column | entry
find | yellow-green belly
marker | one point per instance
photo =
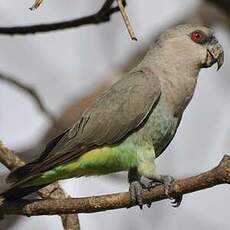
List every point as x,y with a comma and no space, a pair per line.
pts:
146,143
98,161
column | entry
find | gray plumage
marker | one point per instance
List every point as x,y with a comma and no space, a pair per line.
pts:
143,109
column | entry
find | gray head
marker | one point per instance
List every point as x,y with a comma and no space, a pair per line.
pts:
192,45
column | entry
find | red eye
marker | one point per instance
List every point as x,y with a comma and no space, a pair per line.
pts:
198,37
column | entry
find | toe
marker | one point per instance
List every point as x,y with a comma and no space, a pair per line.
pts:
177,201
132,191
167,181
135,190
153,184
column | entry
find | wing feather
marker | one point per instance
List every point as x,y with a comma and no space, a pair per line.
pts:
115,114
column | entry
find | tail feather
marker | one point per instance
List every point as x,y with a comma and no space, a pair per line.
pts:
21,189
21,179
18,191
22,172
23,175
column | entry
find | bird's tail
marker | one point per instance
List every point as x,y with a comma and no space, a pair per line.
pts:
23,176
17,191
20,183
20,173
20,179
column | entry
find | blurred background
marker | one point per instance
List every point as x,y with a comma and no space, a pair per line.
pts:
69,68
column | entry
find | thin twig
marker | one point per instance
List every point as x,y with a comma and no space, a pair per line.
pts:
9,159
126,20
32,93
36,4
223,4
103,15
215,176
53,191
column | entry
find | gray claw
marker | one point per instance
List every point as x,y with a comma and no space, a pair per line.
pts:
149,205
176,201
167,181
136,190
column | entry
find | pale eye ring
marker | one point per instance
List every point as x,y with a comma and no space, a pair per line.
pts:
199,37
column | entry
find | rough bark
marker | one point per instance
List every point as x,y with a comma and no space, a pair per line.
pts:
218,175
53,191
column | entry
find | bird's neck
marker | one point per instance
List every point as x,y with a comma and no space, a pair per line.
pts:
178,92
178,75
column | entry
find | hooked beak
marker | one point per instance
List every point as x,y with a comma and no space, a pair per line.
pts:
215,54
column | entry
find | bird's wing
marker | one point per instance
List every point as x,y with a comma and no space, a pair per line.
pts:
118,112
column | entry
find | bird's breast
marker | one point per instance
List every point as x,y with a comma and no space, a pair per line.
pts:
161,127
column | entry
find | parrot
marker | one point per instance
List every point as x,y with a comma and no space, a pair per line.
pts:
131,123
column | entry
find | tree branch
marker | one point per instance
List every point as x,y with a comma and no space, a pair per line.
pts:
31,92
223,4
215,176
121,5
36,4
9,159
53,191
103,15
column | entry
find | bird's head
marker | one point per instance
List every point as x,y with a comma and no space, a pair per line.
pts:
196,44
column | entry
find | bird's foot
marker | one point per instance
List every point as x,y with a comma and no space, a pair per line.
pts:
136,193
167,182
